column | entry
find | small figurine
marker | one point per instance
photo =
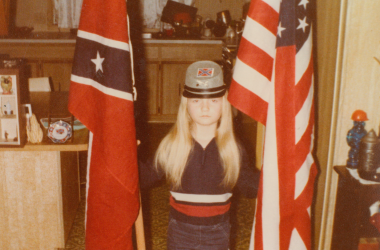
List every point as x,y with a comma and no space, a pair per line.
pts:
354,136
6,85
8,109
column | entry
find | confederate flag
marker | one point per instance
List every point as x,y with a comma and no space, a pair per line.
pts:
273,83
101,98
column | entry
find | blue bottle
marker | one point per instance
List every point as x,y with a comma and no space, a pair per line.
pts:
354,135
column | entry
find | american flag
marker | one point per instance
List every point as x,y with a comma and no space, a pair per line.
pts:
101,97
273,83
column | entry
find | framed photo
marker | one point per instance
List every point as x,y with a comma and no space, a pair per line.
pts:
12,121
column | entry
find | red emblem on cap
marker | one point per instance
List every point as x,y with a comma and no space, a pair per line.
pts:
202,72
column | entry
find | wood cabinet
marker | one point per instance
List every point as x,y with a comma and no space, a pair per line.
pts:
352,215
59,71
159,81
46,58
173,75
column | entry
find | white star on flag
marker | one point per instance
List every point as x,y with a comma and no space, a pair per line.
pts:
303,24
303,2
280,29
98,62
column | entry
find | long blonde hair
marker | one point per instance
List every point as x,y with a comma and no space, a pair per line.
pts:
175,148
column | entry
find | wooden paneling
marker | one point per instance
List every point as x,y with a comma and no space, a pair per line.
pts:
173,80
152,98
151,52
39,50
192,52
60,73
326,36
34,69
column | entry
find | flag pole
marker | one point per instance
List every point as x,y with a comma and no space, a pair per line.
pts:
260,135
139,227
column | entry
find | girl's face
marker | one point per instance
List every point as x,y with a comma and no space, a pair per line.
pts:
205,111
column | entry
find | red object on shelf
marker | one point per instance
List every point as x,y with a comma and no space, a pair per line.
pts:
183,16
169,32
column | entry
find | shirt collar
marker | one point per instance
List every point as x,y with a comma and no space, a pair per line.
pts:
212,143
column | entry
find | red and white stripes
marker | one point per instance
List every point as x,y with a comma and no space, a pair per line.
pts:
273,83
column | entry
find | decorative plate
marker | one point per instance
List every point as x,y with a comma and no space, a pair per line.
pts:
60,132
77,124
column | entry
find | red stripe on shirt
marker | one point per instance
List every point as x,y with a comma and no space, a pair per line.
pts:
200,211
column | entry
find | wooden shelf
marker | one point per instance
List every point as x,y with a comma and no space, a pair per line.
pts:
80,143
40,102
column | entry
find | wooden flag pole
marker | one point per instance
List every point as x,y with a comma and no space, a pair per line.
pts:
260,144
139,227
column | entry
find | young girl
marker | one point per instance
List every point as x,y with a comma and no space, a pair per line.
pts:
203,162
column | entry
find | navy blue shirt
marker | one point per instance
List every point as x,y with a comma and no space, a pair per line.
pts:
203,199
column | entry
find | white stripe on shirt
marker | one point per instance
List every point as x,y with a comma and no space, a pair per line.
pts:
201,198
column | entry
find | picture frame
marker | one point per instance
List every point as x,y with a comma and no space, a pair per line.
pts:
12,122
